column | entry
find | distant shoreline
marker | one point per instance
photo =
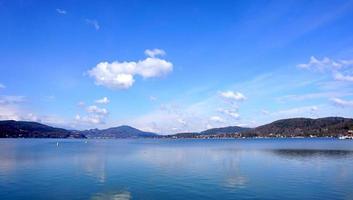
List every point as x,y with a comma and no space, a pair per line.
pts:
168,138
335,127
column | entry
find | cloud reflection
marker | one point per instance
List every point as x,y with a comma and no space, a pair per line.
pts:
123,195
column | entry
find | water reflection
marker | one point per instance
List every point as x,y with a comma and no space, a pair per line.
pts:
312,153
123,195
160,169
199,163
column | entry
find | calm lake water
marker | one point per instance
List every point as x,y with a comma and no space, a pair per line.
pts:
176,169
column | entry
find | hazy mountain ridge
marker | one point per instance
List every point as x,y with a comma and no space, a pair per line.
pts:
118,132
26,129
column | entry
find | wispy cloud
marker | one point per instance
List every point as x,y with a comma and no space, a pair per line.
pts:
154,52
61,11
313,95
2,86
5,99
338,68
341,77
81,104
341,102
94,23
153,98
321,65
233,96
231,113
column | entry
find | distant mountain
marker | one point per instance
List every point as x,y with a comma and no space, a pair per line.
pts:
305,127
118,132
229,131
224,130
24,129
329,126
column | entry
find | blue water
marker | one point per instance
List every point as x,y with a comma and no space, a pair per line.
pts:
176,169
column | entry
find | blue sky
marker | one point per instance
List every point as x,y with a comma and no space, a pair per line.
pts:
174,66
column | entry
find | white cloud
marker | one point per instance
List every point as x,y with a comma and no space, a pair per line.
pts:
120,75
182,121
171,118
94,116
2,86
231,113
9,112
81,104
296,112
90,119
314,95
154,52
96,110
11,99
153,98
341,77
217,119
209,126
265,112
11,109
103,100
153,67
338,68
234,96
341,102
321,65
94,23
61,11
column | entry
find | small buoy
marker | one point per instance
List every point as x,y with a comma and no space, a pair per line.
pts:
57,144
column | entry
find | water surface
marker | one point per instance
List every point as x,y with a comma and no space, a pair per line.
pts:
176,169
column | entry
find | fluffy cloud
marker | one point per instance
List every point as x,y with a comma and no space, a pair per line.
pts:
61,11
233,96
154,52
94,23
120,75
94,116
341,102
103,100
